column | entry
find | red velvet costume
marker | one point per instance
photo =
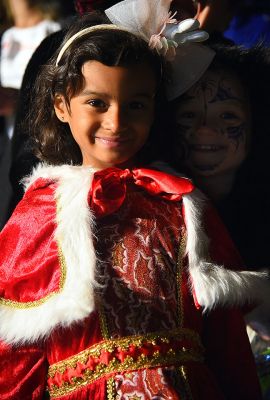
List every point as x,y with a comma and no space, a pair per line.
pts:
139,334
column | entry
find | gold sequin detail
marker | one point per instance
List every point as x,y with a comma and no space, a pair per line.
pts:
123,343
171,358
103,323
186,383
111,389
157,359
179,278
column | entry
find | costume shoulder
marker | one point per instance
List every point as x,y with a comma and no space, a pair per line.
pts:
217,274
46,278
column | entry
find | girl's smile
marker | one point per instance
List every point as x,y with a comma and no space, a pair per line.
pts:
213,124
110,118
114,141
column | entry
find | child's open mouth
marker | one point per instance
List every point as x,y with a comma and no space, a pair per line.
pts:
111,141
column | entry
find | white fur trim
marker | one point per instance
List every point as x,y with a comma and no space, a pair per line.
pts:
73,233
213,284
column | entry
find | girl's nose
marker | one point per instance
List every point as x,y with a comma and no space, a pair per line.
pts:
114,119
205,131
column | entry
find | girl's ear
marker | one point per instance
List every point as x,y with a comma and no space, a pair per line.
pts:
60,108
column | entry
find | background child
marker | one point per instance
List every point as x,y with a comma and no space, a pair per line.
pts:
31,22
105,271
222,141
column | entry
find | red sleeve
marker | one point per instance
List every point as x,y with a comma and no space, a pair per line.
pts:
228,351
23,368
222,248
229,356
23,373
29,255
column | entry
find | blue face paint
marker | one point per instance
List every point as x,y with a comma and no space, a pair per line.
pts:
213,122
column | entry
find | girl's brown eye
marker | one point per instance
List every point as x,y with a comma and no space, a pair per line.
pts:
97,103
136,105
187,114
229,116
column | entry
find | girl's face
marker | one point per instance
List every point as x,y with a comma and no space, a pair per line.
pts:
213,124
111,117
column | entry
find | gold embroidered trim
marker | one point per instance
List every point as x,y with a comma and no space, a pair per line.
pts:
123,343
186,383
88,375
103,323
29,304
129,364
111,389
179,278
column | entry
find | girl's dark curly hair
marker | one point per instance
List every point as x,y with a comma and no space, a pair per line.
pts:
53,140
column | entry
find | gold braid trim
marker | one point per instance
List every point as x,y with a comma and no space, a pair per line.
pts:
29,304
190,350
111,389
179,278
186,383
103,323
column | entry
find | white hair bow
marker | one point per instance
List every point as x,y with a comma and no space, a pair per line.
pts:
176,41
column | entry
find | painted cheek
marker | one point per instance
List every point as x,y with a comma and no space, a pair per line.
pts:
237,134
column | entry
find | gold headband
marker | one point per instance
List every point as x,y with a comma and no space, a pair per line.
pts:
84,32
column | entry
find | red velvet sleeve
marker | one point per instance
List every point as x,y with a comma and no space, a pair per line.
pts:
29,254
228,351
222,248
23,368
23,372
229,356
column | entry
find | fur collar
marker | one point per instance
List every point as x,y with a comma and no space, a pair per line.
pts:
212,284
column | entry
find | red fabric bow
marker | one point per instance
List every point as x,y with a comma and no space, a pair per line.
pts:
109,187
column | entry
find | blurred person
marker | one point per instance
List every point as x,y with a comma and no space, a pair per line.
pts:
214,15
31,21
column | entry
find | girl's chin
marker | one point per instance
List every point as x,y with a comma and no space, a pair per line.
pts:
203,171
103,164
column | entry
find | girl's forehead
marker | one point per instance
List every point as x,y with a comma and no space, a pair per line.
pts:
219,84
137,78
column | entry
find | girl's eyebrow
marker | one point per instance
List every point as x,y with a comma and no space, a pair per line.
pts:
103,94
235,100
92,92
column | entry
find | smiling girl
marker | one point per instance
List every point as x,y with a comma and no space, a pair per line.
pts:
105,266
214,124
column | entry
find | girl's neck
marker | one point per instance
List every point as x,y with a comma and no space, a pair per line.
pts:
216,187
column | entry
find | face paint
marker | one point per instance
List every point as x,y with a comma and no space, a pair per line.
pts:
213,124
